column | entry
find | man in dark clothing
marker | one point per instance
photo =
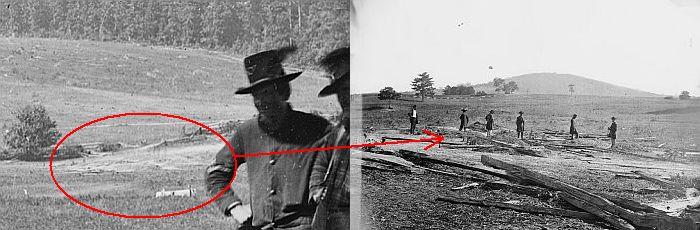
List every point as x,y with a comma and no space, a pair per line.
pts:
489,123
413,119
279,184
520,125
329,184
572,128
613,132
463,120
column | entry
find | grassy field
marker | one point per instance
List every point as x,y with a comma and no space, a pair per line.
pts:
396,200
674,122
78,81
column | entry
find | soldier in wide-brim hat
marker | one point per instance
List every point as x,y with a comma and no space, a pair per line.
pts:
278,183
329,184
520,125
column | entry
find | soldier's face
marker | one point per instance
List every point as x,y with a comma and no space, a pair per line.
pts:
269,103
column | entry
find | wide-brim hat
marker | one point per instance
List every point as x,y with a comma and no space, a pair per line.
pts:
521,112
265,68
337,62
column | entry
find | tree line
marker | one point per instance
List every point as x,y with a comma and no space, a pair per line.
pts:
238,26
423,85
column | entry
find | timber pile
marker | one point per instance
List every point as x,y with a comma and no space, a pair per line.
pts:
620,215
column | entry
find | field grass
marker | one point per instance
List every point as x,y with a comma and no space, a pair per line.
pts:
396,200
78,81
126,192
636,116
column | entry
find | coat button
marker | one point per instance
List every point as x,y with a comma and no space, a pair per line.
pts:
272,192
272,162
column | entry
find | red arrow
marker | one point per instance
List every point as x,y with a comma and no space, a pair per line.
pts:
434,139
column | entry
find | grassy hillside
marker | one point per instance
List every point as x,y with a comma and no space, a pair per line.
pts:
553,83
78,81
82,80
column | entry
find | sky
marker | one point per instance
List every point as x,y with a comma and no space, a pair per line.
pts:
650,45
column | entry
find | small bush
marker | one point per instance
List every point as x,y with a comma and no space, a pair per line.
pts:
32,133
669,97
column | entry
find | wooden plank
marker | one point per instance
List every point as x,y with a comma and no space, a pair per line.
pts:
467,146
520,208
470,185
586,198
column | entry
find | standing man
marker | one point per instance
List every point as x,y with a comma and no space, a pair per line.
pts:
520,125
329,183
612,132
489,123
572,128
414,120
279,184
463,120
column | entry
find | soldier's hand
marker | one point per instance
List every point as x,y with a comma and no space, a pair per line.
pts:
318,194
241,212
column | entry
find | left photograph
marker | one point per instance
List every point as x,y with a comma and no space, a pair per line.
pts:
189,114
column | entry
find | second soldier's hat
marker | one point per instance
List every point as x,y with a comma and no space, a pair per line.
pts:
338,63
265,68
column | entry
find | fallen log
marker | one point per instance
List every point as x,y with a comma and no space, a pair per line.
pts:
521,208
415,156
629,204
574,146
591,202
404,139
611,219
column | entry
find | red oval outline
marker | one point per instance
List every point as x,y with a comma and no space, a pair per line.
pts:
171,214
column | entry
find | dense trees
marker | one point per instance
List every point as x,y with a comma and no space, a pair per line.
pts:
388,93
684,95
459,90
239,26
507,88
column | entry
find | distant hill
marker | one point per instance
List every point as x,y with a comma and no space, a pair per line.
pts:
554,83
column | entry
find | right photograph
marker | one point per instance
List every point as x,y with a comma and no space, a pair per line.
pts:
536,114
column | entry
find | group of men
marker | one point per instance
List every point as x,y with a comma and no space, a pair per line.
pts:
519,125
287,191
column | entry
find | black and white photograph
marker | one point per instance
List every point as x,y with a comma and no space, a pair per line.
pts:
535,114
182,114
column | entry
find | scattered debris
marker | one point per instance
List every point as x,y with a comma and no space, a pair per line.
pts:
618,217
470,185
184,192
